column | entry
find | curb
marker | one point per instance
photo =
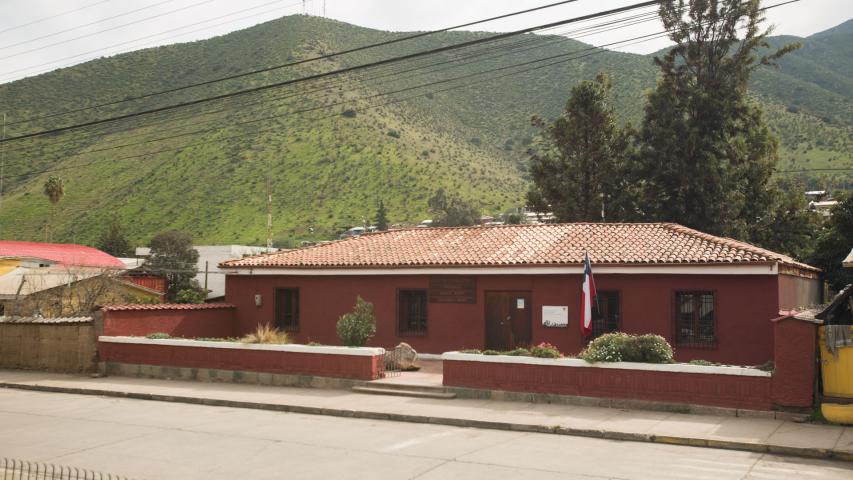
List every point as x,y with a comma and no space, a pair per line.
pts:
806,452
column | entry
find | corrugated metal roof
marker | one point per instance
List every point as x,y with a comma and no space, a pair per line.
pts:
45,320
64,254
166,306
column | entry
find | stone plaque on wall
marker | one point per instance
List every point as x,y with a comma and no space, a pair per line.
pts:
453,290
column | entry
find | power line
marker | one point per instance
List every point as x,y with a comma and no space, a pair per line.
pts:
355,68
52,62
538,42
77,27
304,61
52,16
108,29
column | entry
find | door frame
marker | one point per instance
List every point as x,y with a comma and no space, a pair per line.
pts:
528,293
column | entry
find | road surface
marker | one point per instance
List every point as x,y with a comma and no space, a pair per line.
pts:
157,440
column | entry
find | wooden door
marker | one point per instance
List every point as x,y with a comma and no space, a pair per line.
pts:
508,320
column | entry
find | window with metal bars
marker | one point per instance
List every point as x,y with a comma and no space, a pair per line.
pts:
412,312
605,314
695,320
287,309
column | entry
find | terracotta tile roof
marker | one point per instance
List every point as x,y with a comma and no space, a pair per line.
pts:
166,306
522,245
64,254
48,320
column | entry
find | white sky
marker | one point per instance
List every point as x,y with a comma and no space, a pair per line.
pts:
61,36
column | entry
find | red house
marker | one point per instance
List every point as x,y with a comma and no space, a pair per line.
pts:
499,287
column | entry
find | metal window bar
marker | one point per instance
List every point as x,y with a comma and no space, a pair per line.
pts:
14,469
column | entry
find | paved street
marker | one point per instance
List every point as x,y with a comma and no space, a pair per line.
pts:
154,440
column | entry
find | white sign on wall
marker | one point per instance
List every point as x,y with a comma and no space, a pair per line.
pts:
557,317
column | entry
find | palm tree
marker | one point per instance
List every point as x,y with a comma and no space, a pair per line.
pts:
54,189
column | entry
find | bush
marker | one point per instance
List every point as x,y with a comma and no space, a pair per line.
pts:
704,363
545,350
190,295
355,328
519,352
621,347
266,334
473,351
768,366
394,133
491,352
158,336
349,113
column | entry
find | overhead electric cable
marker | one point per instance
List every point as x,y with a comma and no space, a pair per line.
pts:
308,60
51,17
355,68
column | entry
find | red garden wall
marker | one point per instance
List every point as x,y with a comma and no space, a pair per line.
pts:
744,303
209,320
732,391
362,364
790,386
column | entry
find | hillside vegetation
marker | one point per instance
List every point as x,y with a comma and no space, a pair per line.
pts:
330,150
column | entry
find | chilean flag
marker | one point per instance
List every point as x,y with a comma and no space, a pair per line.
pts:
587,295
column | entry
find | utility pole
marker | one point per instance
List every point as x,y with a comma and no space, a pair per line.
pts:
2,159
269,203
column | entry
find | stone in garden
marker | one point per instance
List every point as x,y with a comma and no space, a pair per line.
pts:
403,357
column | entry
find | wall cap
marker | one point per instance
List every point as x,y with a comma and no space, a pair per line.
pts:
576,362
292,348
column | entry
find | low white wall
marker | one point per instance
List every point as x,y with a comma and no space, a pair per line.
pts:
294,348
578,363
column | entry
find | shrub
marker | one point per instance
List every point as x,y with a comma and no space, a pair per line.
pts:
158,336
266,334
491,352
621,347
349,113
545,350
356,327
519,352
471,351
704,363
190,295
768,366
394,133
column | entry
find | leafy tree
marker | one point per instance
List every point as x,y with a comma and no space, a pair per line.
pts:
190,295
173,256
577,166
706,154
833,245
114,241
381,217
452,211
788,226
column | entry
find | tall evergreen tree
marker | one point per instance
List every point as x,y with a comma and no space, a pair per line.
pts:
381,217
834,244
706,154
173,256
579,158
114,241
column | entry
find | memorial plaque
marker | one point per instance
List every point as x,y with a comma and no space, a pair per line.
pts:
452,290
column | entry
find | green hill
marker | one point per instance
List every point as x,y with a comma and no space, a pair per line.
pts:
332,149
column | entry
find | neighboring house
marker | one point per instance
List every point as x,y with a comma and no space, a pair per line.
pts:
60,254
210,276
848,261
500,287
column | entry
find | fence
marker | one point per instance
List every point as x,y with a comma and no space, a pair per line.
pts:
11,469
54,344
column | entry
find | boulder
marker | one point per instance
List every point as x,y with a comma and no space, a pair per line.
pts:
403,357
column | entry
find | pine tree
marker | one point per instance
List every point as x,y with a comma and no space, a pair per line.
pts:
381,217
577,163
114,241
706,155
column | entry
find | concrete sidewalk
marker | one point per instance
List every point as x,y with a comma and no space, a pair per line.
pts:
736,433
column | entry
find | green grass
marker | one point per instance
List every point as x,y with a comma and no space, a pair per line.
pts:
328,171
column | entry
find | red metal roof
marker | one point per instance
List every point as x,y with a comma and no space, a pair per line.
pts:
166,306
522,245
63,254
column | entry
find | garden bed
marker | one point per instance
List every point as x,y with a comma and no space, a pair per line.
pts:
719,386
293,359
